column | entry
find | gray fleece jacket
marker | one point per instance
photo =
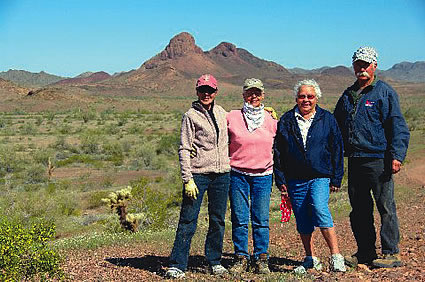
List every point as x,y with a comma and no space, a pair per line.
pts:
198,133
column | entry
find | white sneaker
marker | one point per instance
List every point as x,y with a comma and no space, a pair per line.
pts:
337,263
309,262
218,269
174,273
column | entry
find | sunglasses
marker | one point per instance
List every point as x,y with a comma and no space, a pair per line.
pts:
309,96
206,90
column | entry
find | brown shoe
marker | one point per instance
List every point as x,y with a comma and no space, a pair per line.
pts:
387,261
354,260
262,264
241,265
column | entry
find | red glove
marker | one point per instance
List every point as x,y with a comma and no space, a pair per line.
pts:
285,208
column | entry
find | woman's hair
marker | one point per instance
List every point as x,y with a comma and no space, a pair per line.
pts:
308,82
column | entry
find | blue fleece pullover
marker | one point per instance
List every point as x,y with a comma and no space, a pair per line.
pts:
322,157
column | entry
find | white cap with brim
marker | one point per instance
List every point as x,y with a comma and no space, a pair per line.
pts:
367,54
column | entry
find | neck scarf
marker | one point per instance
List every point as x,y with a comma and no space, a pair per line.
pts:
254,117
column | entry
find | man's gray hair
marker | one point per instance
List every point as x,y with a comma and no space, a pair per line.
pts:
308,82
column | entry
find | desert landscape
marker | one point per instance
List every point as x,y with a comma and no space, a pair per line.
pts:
66,143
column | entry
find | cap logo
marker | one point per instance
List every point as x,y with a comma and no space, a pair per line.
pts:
207,77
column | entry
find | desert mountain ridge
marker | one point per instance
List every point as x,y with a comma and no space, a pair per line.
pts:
176,67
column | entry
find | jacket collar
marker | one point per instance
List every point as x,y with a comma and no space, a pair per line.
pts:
198,106
318,115
352,90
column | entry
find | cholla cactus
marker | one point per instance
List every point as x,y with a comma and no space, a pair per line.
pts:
118,201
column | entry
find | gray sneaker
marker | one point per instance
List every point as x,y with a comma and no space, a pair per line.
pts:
174,273
308,263
218,269
337,263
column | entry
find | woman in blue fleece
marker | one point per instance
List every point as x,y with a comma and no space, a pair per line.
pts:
308,164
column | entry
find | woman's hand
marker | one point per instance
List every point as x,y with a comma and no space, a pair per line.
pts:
191,190
334,188
283,189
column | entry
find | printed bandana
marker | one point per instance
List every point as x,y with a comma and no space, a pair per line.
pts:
254,117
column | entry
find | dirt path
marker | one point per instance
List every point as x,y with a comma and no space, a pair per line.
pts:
145,262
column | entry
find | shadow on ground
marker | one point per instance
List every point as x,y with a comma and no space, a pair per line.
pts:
196,264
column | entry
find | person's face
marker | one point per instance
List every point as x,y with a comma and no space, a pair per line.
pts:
306,99
206,95
253,96
364,70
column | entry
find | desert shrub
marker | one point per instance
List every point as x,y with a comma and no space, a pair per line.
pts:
88,115
85,159
9,161
168,144
34,173
65,129
94,199
39,120
111,129
2,123
144,156
50,116
42,156
28,129
153,204
89,143
112,148
25,252
136,129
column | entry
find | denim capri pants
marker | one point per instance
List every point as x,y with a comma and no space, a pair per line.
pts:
309,199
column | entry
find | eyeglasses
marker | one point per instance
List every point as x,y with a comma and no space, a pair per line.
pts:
309,96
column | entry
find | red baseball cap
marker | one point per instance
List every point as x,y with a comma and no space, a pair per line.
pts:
207,79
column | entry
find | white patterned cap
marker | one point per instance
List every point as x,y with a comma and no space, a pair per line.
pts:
253,83
367,54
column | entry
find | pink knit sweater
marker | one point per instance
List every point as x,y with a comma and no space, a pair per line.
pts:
250,152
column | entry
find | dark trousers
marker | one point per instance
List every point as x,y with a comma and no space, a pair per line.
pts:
217,187
366,175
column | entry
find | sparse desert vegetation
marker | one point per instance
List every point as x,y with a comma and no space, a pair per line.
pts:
56,166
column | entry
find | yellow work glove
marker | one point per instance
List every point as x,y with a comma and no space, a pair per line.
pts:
271,111
191,190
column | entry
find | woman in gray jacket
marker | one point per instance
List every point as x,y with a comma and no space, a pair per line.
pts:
204,162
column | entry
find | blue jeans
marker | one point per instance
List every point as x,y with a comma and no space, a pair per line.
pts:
217,187
250,195
366,175
309,199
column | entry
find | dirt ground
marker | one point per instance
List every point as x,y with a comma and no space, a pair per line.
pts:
146,261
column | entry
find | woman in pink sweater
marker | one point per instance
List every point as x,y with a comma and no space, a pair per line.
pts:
251,133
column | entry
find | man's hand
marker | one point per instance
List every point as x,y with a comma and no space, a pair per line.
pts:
191,190
271,111
334,188
396,166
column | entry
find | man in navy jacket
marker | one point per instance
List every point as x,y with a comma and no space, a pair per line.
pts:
376,138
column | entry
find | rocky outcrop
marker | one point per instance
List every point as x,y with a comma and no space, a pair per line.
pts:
180,45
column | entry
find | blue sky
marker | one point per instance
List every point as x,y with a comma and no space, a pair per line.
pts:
68,37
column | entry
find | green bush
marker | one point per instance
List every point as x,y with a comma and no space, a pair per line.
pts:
153,204
168,144
25,252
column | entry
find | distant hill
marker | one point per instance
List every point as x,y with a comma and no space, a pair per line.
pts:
30,79
9,90
84,78
407,71
182,61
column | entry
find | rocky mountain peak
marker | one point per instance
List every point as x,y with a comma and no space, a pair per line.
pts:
225,49
181,44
